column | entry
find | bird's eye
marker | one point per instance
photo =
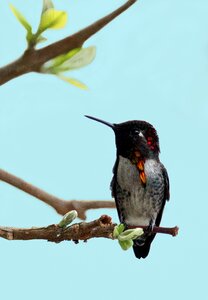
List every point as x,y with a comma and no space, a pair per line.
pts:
136,132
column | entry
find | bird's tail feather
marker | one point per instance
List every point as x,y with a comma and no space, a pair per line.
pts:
141,250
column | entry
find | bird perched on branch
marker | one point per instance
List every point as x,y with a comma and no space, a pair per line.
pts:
140,183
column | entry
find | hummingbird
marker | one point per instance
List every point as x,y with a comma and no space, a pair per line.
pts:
140,183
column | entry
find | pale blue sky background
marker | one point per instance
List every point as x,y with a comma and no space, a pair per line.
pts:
151,64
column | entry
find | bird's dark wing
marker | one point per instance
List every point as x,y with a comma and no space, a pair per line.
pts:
166,195
143,251
167,184
117,192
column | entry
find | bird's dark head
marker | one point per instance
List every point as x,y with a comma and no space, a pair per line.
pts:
134,136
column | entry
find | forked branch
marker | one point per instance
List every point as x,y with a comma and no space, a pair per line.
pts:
60,205
32,60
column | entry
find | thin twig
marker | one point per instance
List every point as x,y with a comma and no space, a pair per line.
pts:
32,60
60,205
166,230
102,227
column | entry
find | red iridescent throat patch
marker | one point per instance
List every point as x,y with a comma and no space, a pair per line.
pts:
152,140
139,162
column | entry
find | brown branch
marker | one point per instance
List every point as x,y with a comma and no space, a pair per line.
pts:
63,206
32,60
60,205
166,230
102,227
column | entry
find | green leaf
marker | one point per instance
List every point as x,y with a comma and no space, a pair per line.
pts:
125,238
73,81
125,245
84,57
130,234
47,4
62,58
52,19
118,229
74,59
21,18
115,232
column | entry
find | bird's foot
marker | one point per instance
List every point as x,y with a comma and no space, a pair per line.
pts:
147,232
149,229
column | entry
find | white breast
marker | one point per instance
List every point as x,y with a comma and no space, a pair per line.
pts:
139,207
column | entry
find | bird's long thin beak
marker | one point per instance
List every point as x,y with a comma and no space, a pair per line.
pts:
101,121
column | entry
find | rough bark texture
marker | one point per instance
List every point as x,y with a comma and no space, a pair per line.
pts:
102,227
